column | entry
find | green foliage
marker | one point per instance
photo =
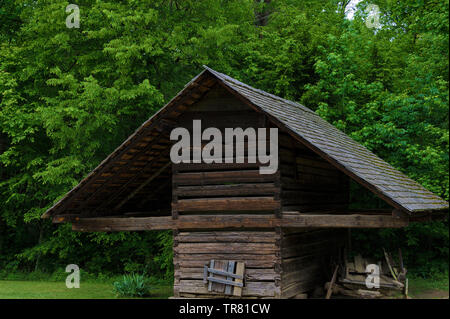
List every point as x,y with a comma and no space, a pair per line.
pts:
424,246
165,258
132,285
68,97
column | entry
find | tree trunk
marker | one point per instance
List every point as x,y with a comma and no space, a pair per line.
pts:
261,18
41,234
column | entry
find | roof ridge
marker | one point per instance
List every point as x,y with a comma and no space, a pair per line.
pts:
226,77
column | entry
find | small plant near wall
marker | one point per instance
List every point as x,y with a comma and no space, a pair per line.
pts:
132,285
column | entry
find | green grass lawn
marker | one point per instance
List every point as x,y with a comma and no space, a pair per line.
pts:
419,288
58,290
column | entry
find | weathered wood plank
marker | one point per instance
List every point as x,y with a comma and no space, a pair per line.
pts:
216,279
227,190
224,281
200,167
231,265
251,274
227,236
333,280
240,269
236,221
222,177
210,283
305,254
258,289
197,248
229,203
199,260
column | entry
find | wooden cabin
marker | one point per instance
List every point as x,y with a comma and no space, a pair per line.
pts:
271,235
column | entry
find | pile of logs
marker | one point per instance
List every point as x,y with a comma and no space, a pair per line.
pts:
349,278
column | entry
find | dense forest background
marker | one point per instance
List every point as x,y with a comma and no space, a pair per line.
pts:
68,97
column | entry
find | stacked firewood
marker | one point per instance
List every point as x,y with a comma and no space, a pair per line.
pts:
355,278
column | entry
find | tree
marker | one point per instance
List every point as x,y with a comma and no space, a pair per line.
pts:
68,97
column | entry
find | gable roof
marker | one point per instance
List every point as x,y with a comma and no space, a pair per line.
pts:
304,125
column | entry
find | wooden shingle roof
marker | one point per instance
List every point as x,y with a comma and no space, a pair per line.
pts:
348,155
147,144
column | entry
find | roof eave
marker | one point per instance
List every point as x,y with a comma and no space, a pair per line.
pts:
54,209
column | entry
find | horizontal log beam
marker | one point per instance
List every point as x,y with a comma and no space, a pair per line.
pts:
222,177
230,203
227,190
107,224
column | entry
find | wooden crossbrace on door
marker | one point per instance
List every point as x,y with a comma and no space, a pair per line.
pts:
224,276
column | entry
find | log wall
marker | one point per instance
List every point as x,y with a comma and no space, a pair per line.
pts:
223,187
308,182
258,249
305,258
278,263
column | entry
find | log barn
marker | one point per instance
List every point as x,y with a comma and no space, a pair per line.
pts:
236,232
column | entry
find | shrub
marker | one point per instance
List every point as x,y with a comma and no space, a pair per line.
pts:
132,285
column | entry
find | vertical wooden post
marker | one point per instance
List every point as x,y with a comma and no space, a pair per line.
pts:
176,266
230,268
240,267
277,195
278,212
174,192
278,264
175,232
211,265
